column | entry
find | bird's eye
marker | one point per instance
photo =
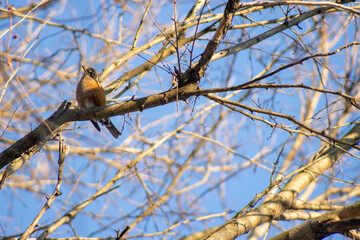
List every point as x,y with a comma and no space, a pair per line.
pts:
92,73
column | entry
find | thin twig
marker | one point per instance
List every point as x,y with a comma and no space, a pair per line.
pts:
196,30
281,115
176,38
63,150
119,234
298,3
140,24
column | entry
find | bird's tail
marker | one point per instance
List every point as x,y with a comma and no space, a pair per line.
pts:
110,126
96,125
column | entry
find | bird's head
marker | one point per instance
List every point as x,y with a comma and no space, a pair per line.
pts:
91,72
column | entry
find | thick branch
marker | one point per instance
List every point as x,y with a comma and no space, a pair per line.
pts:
51,126
231,8
285,199
336,221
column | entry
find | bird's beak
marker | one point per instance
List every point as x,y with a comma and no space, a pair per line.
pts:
84,68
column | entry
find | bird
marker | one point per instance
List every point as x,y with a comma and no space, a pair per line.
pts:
89,93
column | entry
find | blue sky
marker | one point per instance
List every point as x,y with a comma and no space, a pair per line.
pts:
22,205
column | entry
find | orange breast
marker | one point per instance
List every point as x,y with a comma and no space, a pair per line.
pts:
89,93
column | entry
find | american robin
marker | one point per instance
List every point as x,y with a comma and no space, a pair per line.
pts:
89,93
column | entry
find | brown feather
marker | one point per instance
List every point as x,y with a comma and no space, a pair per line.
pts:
89,89
89,93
